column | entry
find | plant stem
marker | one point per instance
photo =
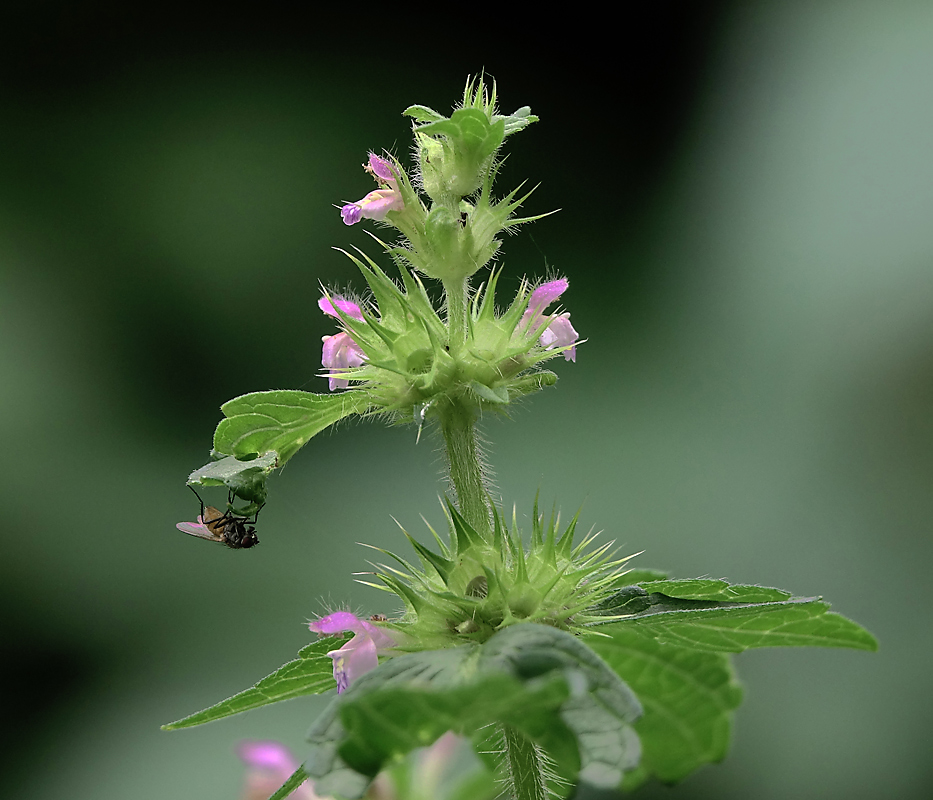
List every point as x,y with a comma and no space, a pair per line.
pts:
456,294
466,474
458,423
524,768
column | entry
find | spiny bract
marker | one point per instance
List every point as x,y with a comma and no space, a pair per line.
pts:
475,586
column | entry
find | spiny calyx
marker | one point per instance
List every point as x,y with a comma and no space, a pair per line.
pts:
481,582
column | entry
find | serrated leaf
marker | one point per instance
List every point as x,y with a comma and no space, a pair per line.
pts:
717,590
310,673
541,681
732,628
688,697
281,421
246,478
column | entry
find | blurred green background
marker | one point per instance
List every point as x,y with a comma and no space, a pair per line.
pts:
746,194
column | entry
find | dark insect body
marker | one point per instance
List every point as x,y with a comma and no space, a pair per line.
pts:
234,531
224,527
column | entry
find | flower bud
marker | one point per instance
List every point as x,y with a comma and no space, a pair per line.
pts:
457,153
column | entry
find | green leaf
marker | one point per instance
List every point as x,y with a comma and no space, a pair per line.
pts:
633,576
450,772
497,396
623,602
688,697
732,628
517,120
298,777
470,130
310,673
541,681
670,646
246,478
422,114
281,421
706,589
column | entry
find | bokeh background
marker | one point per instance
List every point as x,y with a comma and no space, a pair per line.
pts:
746,194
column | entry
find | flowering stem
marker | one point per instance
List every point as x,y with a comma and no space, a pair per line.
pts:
524,768
466,474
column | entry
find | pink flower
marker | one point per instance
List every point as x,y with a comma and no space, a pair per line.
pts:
269,765
380,169
546,294
378,202
340,353
359,655
559,331
330,305
375,205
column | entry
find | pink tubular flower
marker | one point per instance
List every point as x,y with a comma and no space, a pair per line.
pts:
339,353
546,294
378,202
359,655
330,306
380,169
269,765
559,331
375,206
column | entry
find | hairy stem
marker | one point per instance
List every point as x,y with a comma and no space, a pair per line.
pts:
458,424
524,770
466,474
456,292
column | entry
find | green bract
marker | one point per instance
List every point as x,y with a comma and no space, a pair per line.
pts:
478,584
411,366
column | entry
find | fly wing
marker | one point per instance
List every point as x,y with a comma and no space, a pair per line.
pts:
214,520
200,530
